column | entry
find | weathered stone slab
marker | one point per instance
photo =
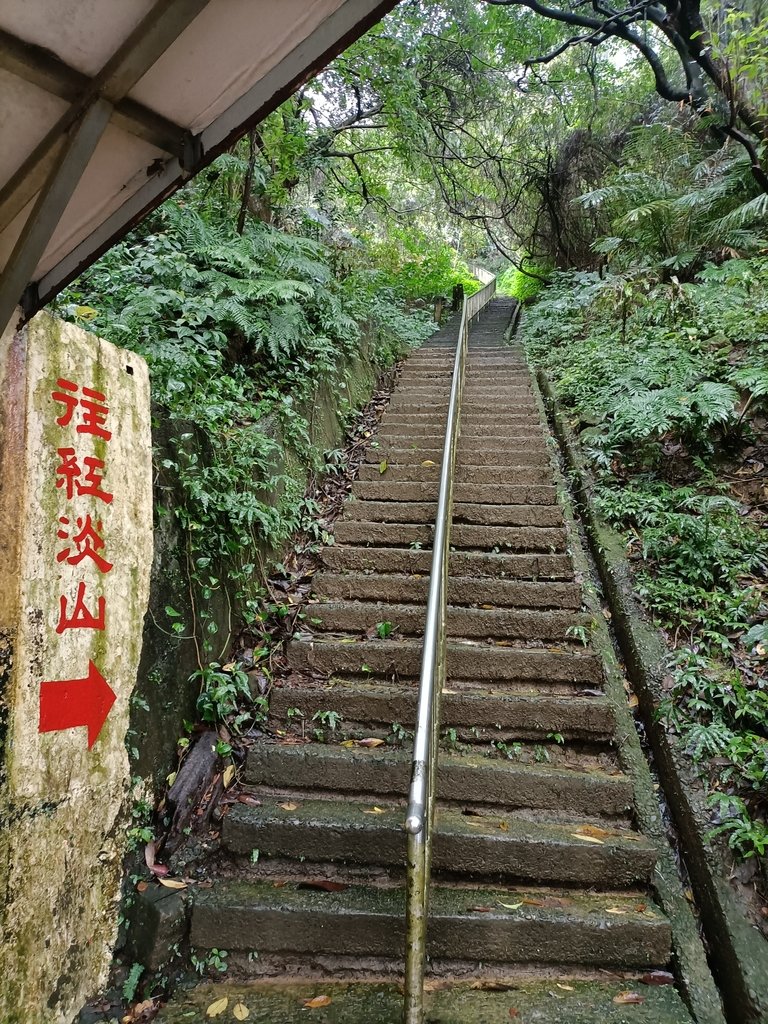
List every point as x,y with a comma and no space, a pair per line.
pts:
76,523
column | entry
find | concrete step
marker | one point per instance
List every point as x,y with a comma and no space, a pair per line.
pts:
501,845
467,442
557,999
470,410
468,660
384,489
466,779
462,590
477,713
486,418
478,623
502,429
488,538
488,565
495,395
500,475
548,927
464,513
505,457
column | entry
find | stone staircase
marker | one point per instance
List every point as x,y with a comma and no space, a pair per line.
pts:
543,900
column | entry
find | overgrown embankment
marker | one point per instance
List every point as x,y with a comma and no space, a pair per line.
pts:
664,382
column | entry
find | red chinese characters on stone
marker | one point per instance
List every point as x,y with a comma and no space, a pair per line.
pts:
70,476
87,542
92,410
81,617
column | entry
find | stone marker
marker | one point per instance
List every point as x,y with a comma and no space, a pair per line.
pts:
75,557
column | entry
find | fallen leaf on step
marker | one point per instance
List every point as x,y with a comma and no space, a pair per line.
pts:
323,885
348,744
503,826
289,805
627,998
480,910
534,903
240,1011
640,908
658,978
383,466
633,701
488,607
216,1009
587,839
595,832
510,906
370,741
142,886
318,1001
228,776
374,810
150,852
427,462
248,800
172,883
616,910
513,1012
565,988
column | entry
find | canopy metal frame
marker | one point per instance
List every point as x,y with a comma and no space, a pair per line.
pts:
51,173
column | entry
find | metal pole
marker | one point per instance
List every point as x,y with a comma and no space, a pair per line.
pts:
420,816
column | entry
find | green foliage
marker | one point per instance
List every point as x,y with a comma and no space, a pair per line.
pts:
675,202
413,265
696,548
661,378
518,284
239,331
210,960
223,693
131,983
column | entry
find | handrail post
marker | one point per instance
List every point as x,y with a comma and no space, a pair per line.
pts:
420,816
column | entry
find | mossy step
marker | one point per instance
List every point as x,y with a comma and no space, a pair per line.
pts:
480,623
539,927
415,469
501,430
467,660
498,845
508,417
505,457
462,778
384,489
464,513
462,590
544,539
477,714
404,403
556,1000
402,437
489,565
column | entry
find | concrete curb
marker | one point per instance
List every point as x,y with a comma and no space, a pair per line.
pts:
738,954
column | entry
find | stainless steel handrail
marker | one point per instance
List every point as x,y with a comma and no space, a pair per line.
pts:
420,816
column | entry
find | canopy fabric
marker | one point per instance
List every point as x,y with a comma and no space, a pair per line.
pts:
108,106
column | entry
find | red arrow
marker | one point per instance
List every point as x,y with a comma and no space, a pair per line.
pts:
71,703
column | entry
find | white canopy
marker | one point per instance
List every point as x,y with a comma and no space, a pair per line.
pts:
108,106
